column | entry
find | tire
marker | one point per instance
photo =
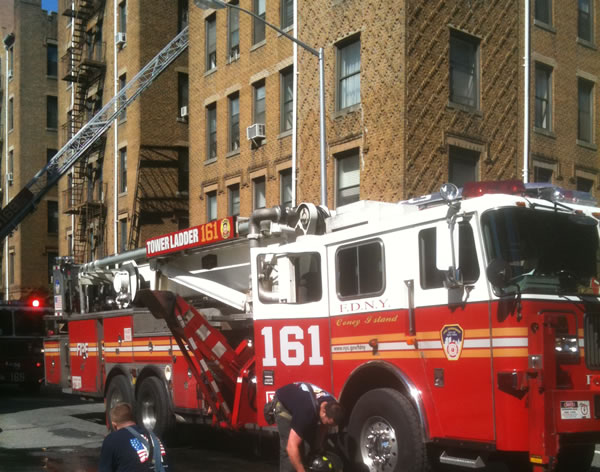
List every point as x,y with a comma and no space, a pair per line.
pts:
575,457
154,407
385,434
119,391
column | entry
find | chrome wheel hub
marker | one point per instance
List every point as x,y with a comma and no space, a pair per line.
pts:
378,445
148,413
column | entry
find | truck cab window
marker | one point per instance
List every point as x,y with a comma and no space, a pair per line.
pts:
360,270
289,278
430,275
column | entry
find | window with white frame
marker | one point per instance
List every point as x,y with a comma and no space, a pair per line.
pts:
233,35
211,205
259,193
233,205
287,99
234,122
285,187
211,131
464,69
258,30
543,97
211,42
543,11
585,19
348,73
347,178
585,92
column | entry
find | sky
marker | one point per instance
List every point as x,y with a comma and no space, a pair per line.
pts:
50,5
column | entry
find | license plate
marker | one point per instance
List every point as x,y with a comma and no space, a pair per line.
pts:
17,376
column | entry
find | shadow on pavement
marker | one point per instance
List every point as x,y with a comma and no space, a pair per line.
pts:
22,400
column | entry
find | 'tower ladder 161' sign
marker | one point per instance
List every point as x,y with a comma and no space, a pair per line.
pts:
208,233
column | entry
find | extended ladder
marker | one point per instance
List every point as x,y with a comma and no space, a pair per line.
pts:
24,202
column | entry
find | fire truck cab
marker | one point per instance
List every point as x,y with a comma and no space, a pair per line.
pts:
452,327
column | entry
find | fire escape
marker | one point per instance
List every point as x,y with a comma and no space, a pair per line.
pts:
85,66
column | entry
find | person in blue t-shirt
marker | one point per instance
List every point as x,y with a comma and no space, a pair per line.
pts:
130,448
303,413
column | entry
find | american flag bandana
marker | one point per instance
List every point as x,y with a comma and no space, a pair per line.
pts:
142,451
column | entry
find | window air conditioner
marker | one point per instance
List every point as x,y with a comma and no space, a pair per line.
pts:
184,112
9,177
256,131
121,39
10,73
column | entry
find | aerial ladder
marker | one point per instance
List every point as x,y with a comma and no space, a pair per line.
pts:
26,200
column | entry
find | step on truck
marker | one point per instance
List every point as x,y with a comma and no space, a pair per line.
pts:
455,328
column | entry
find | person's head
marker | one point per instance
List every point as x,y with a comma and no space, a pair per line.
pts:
331,413
121,415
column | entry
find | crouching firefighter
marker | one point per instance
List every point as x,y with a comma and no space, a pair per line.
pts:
304,414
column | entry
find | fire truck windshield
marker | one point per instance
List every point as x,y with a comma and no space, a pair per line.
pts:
549,252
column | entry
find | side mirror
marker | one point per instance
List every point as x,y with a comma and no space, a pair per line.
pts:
498,273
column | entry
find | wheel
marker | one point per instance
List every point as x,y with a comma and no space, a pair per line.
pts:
575,457
153,407
385,434
119,391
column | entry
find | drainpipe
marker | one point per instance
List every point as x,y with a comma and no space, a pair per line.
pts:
526,60
294,105
116,135
8,42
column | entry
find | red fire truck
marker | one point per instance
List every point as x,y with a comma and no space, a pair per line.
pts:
453,328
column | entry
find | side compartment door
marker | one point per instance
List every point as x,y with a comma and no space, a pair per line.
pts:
85,355
453,332
291,320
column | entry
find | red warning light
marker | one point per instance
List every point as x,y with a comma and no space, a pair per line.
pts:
35,302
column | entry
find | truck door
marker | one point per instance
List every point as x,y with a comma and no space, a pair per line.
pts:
291,323
453,331
85,355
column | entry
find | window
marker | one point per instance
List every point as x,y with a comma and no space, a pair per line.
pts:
233,34
123,235
52,60
234,122
11,267
543,11
11,114
258,29
211,42
287,98
259,103
543,97
183,99
182,14
11,161
234,200
287,14
360,270
50,153
183,170
211,205
70,244
259,193
347,178
348,55
51,260
584,185
123,170
430,275
51,112
542,174
285,187
211,131
462,166
11,62
123,17
52,217
584,20
122,83
464,69
584,122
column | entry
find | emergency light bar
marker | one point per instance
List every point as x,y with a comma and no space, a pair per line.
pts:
477,189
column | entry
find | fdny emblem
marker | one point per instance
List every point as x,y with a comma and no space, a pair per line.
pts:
225,229
452,341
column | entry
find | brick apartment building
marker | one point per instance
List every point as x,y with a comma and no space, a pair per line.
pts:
417,93
133,183
28,128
